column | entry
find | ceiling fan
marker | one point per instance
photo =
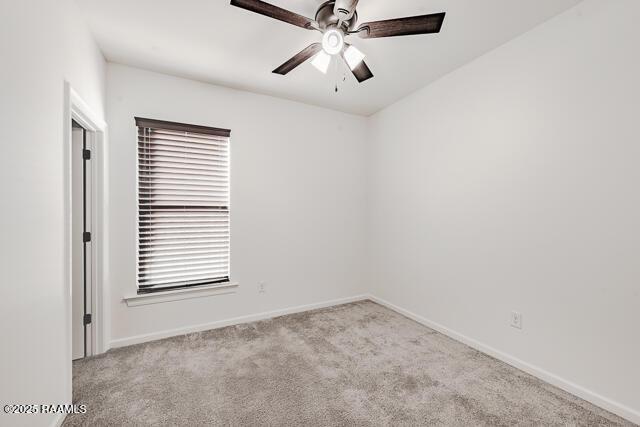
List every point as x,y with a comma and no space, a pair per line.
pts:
336,20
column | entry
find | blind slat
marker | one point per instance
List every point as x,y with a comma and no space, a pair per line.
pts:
169,151
184,260
177,278
184,173
185,268
169,249
189,143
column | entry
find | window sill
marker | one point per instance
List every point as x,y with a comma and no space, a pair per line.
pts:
180,294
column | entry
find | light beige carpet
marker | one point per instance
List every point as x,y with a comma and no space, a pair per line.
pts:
355,364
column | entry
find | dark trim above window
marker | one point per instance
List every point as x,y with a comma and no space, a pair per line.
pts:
181,127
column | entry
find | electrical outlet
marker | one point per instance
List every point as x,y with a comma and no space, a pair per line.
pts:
262,287
516,320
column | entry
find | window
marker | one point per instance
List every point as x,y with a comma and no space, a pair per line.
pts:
183,205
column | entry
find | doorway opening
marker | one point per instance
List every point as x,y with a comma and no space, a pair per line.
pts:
81,242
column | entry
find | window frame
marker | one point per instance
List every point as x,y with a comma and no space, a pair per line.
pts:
163,125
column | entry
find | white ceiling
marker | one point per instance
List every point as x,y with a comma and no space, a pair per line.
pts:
211,41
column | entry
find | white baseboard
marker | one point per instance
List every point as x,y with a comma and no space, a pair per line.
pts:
137,339
575,389
58,420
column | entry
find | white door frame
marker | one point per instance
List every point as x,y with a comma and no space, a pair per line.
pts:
76,109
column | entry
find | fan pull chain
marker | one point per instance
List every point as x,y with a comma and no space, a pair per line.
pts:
337,73
335,68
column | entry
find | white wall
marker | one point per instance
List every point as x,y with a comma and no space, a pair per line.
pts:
42,44
297,199
512,184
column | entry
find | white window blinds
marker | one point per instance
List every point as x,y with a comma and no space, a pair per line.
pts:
183,205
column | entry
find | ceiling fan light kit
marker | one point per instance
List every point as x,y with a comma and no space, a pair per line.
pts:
353,56
321,61
332,41
336,20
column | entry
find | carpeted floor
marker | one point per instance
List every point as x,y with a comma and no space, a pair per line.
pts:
355,364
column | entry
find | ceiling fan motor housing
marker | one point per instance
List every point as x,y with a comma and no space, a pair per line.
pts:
326,18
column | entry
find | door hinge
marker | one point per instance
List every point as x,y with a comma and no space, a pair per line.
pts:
87,318
86,154
86,236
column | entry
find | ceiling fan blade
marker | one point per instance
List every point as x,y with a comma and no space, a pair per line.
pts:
424,24
298,59
361,72
274,12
